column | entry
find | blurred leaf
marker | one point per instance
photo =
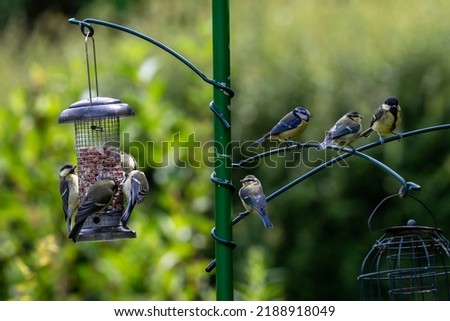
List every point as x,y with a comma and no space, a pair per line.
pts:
329,56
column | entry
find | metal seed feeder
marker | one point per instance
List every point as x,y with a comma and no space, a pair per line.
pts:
97,137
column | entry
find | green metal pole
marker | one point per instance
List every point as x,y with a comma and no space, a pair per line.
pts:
222,138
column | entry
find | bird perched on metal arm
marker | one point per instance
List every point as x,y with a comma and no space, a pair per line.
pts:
253,198
344,132
292,125
386,119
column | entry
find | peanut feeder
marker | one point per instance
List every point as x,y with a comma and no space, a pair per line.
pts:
97,138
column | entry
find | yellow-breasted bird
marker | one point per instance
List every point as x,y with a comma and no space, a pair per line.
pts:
345,131
68,187
386,119
134,189
98,197
292,125
253,198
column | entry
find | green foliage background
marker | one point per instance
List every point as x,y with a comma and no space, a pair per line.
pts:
331,56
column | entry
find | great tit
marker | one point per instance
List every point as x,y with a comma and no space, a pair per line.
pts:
386,119
253,198
68,187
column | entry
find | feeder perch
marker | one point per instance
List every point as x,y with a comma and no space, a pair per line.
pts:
407,263
97,137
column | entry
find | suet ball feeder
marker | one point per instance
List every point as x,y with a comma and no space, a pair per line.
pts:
407,263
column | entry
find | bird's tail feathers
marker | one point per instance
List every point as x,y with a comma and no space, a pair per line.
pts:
367,132
323,144
258,141
75,232
266,221
127,213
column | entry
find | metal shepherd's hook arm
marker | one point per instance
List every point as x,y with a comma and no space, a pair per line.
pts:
87,24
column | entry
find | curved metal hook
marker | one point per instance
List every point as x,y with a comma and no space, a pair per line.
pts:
406,186
231,244
400,195
223,183
219,115
86,23
83,26
369,220
222,241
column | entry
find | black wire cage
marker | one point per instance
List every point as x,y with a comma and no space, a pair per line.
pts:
407,263
97,137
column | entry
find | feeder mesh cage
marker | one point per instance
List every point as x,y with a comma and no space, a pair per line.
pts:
98,156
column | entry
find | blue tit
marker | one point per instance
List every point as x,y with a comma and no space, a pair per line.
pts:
386,119
253,198
289,127
134,190
127,162
99,196
344,132
68,187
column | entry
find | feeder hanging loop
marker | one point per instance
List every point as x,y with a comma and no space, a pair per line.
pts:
83,26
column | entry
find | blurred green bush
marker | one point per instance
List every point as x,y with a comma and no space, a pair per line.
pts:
329,56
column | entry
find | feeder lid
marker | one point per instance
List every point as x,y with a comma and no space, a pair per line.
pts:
99,107
411,230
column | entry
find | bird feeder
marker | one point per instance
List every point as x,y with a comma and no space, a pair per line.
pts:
407,263
97,138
